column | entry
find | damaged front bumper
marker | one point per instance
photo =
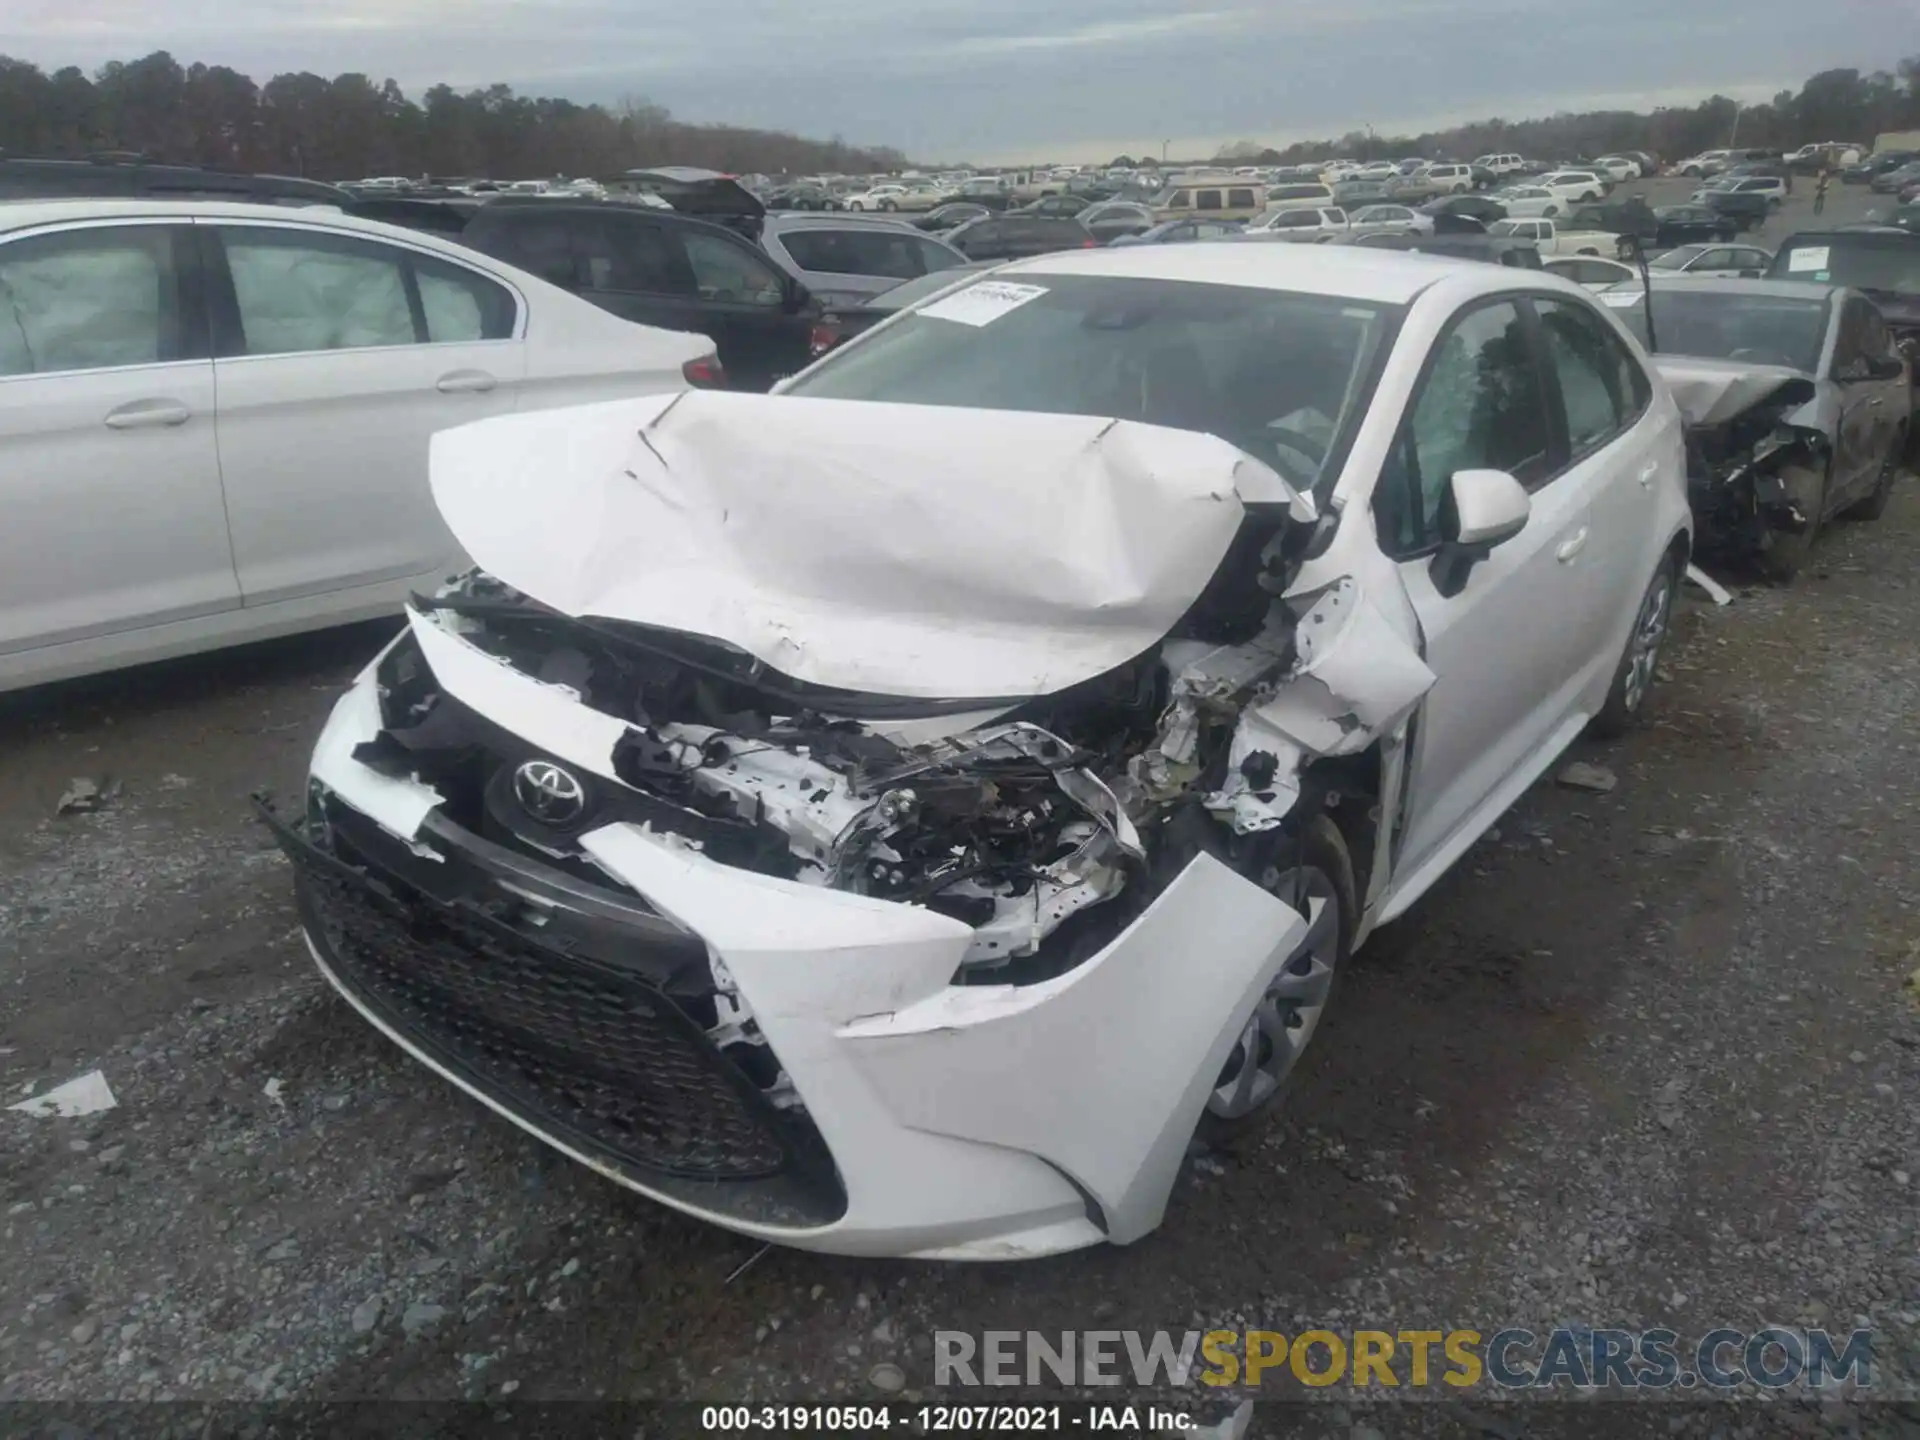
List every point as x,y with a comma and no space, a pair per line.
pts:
786,1059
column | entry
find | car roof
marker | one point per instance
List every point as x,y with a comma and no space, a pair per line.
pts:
1384,277
1733,285
27,214
779,220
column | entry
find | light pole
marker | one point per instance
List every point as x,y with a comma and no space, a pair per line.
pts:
1163,151
1369,154
1734,134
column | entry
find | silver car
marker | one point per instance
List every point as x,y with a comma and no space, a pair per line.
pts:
845,259
1300,225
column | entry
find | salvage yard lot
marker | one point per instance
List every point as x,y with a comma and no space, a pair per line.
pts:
1646,1058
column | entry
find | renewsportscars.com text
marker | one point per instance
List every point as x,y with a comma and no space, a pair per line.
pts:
1771,1358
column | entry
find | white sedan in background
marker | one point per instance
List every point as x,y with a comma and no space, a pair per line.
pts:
1388,220
214,417
1575,186
1531,202
1617,167
892,197
838,908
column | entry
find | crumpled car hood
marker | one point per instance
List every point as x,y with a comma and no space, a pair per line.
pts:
1709,392
904,550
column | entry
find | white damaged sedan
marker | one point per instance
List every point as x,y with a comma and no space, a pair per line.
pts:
892,816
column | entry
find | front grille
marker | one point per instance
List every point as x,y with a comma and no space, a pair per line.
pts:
581,1049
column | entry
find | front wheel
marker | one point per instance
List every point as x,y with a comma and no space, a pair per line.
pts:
1875,505
1315,877
1787,550
1633,678
1551,211
888,205
856,205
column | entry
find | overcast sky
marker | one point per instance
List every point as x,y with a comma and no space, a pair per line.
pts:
998,80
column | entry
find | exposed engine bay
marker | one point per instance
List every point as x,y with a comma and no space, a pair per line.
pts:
1015,820
1752,470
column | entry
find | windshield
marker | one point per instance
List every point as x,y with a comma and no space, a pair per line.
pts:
1865,267
1283,376
1729,325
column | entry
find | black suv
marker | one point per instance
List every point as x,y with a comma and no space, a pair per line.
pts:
656,267
120,176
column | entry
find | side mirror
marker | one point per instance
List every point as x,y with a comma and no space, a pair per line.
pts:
1481,510
798,298
1886,367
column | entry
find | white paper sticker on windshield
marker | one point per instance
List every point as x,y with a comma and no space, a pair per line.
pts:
1813,257
1620,299
984,303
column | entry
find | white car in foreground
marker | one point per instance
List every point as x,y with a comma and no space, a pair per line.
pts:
1531,202
888,817
214,417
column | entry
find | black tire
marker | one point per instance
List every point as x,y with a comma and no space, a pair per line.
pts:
1787,550
1626,698
1551,211
888,205
1320,847
1875,504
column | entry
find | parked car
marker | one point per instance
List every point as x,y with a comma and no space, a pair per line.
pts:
1177,232
707,195
214,417
1874,166
1350,193
1706,163
950,1090
1211,199
1061,206
954,212
1896,180
1748,260
1746,208
1502,165
1309,190
1573,186
1483,208
803,197
1552,240
1526,202
1798,401
1388,219
1882,263
1591,271
656,267
1617,168
114,175
1110,219
1771,186
843,259
896,197
1683,224
1300,224
1014,237
1481,248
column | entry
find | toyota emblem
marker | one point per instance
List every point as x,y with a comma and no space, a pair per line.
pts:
548,793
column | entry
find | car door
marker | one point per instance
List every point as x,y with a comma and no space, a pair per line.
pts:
762,337
1511,649
109,471
1861,399
337,356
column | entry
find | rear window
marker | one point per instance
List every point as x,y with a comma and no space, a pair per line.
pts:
1843,260
1283,376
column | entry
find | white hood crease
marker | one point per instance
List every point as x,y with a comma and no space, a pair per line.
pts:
909,550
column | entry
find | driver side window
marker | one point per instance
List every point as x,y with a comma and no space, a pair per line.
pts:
1480,406
725,271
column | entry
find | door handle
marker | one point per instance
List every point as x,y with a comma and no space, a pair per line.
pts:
1874,403
1648,473
464,382
148,415
1572,545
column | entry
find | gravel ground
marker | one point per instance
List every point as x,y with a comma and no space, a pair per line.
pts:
1644,1058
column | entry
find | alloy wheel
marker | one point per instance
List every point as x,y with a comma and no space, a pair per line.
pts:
1289,1012
1649,633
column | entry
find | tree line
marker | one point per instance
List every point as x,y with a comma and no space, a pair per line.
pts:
1833,105
350,127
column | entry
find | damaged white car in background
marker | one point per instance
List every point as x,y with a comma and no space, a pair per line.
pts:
890,817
